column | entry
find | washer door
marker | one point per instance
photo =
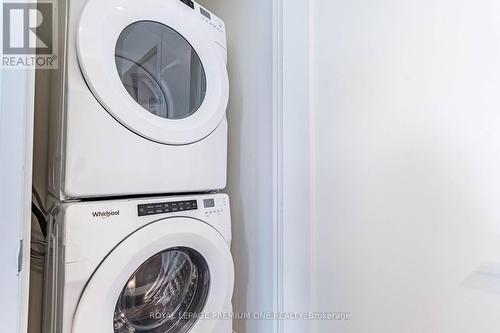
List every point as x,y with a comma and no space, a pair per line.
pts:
163,278
153,67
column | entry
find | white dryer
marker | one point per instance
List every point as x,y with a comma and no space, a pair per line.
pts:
151,265
139,99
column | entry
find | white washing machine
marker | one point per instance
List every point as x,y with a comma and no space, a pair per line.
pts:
152,265
139,100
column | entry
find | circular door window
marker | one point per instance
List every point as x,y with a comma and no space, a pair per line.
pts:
166,294
160,70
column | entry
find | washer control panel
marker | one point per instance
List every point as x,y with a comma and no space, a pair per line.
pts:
166,207
214,206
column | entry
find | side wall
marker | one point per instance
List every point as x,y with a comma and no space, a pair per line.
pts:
250,182
407,164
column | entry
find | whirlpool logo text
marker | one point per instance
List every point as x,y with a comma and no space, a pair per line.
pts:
105,214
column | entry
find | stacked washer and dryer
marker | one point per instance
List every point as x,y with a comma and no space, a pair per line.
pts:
139,234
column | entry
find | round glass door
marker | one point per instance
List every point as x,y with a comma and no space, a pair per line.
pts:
165,294
160,70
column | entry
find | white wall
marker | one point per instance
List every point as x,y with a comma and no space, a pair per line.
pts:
16,135
250,182
294,282
407,179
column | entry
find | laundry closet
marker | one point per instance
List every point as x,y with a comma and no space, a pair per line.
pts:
112,172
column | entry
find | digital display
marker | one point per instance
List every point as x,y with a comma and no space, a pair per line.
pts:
208,203
205,13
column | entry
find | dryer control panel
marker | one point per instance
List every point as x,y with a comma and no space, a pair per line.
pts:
207,16
214,23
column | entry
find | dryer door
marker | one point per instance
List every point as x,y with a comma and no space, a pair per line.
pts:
153,66
166,277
